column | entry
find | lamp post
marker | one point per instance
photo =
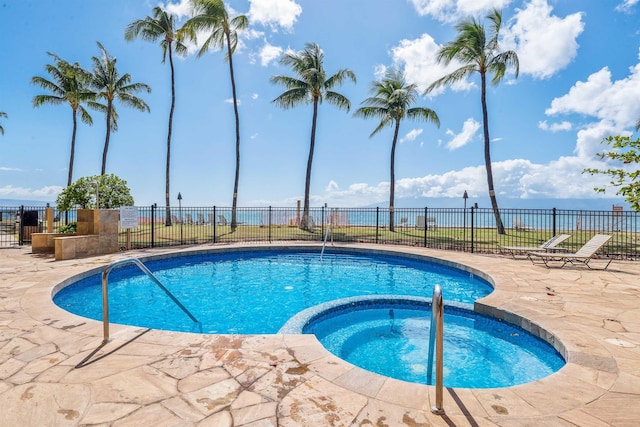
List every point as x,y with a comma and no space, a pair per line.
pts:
465,196
180,212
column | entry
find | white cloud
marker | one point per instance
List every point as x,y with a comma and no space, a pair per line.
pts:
418,59
411,135
254,96
626,5
230,101
182,9
544,43
606,100
47,193
469,129
555,127
269,53
454,10
7,169
274,13
517,178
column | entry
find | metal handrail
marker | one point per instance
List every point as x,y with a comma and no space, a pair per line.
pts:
105,294
324,243
436,339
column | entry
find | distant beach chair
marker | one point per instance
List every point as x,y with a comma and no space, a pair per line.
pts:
188,218
425,222
549,246
201,220
175,220
519,225
582,255
222,220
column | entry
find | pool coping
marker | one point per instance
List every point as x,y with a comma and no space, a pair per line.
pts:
592,376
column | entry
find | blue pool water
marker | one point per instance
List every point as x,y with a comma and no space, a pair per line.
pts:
392,339
256,292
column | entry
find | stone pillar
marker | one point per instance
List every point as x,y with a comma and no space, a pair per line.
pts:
48,214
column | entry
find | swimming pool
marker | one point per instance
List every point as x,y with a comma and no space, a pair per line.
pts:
389,335
256,291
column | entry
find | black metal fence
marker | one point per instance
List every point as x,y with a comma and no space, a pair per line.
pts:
470,230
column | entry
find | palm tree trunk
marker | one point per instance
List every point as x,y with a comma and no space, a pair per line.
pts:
234,205
167,217
392,179
106,141
487,157
73,147
307,186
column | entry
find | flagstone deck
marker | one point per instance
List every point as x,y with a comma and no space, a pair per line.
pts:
55,371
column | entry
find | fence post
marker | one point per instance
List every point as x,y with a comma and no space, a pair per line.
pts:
554,222
322,216
215,221
472,224
377,222
425,226
21,227
269,234
153,225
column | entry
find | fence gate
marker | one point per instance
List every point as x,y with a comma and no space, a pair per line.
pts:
9,227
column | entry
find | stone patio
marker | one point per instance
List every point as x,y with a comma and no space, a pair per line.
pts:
55,371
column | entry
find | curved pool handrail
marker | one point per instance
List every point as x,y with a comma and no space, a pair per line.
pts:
436,341
145,270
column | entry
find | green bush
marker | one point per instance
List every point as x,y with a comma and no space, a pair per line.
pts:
72,227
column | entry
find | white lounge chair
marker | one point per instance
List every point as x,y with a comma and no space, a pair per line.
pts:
519,225
550,245
583,255
428,222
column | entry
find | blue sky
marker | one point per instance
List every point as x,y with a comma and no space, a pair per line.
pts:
579,82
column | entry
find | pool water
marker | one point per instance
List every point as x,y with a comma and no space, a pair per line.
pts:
393,340
256,292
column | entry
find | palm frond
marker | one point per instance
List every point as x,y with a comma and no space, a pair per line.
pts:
292,98
338,78
425,114
85,116
288,82
453,77
370,112
501,61
337,99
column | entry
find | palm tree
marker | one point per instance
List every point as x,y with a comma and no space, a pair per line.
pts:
211,15
162,26
69,85
111,86
2,114
638,125
479,53
310,86
391,102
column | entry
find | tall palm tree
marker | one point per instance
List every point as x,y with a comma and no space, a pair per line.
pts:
391,101
2,114
638,125
310,86
68,85
111,86
479,53
162,26
211,16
